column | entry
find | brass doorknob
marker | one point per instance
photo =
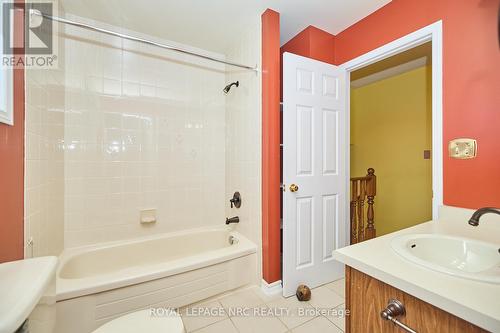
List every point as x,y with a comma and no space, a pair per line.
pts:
294,188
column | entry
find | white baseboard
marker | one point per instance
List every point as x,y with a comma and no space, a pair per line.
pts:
271,288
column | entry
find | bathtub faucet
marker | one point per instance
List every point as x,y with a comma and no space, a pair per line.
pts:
235,219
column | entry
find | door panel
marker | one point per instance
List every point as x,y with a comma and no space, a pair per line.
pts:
330,141
329,215
314,156
304,140
304,232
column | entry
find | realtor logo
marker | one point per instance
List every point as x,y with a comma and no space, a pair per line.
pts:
27,36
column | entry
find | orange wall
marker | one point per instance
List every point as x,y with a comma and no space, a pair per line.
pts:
12,174
312,43
471,81
271,264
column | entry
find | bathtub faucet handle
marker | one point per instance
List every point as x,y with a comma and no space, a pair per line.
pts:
236,200
235,219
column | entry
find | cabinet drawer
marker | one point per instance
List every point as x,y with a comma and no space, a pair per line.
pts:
366,297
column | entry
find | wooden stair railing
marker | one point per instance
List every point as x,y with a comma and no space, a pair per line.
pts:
363,188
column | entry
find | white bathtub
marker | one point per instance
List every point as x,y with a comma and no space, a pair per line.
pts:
98,283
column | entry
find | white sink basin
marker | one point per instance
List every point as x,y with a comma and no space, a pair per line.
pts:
456,256
22,284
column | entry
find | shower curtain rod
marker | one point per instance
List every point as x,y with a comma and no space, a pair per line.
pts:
137,39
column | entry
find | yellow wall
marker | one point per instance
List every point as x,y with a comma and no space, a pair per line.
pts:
390,129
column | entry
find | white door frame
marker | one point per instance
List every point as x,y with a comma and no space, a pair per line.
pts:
434,33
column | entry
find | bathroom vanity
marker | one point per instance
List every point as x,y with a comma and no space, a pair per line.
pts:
416,288
367,297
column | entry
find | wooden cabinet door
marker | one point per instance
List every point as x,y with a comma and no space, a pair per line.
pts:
366,297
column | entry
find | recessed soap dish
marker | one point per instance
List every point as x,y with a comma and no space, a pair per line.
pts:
148,216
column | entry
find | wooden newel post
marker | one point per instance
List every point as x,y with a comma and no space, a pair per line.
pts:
371,191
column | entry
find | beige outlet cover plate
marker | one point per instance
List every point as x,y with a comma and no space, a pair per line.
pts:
462,148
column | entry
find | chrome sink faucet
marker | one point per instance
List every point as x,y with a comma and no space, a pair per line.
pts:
474,220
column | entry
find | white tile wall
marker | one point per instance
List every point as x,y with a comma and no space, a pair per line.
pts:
243,136
144,129
123,127
44,164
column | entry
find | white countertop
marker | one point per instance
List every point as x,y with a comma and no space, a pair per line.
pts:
475,302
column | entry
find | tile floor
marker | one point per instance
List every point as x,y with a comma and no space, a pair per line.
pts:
249,310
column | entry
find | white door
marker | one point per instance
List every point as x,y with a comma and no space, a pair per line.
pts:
314,159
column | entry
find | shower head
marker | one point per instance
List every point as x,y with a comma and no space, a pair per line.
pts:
228,87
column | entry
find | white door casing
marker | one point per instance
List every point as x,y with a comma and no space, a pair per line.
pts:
431,33
314,158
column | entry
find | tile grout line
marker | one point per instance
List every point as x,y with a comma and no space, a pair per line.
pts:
218,321
308,320
234,325
340,328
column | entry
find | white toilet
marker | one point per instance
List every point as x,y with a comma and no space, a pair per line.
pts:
142,321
